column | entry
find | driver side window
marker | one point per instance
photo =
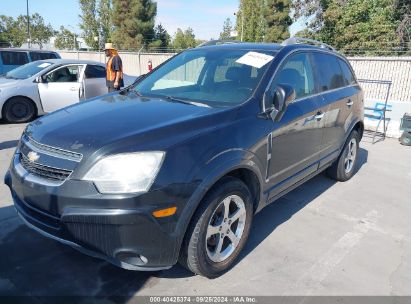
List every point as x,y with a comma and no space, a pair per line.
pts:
65,74
297,72
185,75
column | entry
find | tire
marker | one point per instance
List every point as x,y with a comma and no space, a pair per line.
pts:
19,110
200,252
344,167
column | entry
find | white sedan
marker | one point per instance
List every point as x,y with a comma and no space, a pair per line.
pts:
45,86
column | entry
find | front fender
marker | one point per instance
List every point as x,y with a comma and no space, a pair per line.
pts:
217,167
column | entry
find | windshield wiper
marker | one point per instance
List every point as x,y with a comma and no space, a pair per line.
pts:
193,103
130,89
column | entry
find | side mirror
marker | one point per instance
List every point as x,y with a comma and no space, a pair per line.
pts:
284,95
38,79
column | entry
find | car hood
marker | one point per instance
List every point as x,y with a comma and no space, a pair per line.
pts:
123,123
5,82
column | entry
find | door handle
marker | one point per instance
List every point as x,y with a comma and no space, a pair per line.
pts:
73,89
350,103
319,115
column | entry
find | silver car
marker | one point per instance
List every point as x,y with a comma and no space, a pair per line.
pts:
47,85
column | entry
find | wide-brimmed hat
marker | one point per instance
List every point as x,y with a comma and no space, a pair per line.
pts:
109,46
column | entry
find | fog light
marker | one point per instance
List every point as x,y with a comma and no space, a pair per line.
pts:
131,258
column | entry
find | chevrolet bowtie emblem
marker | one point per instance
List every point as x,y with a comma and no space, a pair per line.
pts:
33,156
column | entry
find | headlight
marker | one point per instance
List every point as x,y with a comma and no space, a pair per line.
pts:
126,173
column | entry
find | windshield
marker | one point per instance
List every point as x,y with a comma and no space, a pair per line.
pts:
218,77
27,70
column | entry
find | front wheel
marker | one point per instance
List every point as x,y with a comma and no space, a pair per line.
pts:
219,229
19,110
344,167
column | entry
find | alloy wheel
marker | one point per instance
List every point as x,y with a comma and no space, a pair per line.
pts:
225,228
351,153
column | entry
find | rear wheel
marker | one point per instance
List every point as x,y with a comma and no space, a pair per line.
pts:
344,167
219,229
18,110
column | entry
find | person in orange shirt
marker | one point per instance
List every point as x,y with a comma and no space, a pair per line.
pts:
114,69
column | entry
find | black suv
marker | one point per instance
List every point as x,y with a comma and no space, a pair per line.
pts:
174,167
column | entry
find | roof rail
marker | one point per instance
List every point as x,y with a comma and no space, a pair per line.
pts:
299,40
216,42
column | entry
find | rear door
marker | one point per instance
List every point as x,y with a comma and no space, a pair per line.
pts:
61,87
296,139
94,82
338,97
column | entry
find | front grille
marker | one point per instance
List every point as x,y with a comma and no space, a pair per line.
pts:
60,153
44,171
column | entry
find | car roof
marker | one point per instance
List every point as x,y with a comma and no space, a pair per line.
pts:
245,46
26,50
70,61
275,47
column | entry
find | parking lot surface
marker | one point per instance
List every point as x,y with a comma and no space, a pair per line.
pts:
323,238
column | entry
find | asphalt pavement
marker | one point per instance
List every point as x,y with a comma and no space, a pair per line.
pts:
323,238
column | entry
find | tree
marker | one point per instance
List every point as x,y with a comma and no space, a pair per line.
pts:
105,20
312,11
14,31
89,22
250,20
10,31
133,22
183,40
227,29
39,31
403,15
65,39
161,37
277,16
356,26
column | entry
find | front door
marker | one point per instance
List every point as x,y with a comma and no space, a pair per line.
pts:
295,144
61,87
94,82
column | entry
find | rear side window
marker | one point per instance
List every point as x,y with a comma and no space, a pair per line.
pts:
297,72
42,56
347,73
14,58
329,72
95,71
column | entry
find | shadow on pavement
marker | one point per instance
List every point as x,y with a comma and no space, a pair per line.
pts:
8,144
266,221
33,265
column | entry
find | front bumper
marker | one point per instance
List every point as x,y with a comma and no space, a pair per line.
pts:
72,213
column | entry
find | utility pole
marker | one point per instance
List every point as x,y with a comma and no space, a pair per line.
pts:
28,25
74,37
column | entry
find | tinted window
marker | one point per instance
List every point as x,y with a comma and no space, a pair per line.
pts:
42,56
14,58
347,73
297,72
65,74
95,71
329,72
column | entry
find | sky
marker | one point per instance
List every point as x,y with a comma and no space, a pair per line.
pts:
206,18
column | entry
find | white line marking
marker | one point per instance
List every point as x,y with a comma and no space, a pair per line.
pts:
311,280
